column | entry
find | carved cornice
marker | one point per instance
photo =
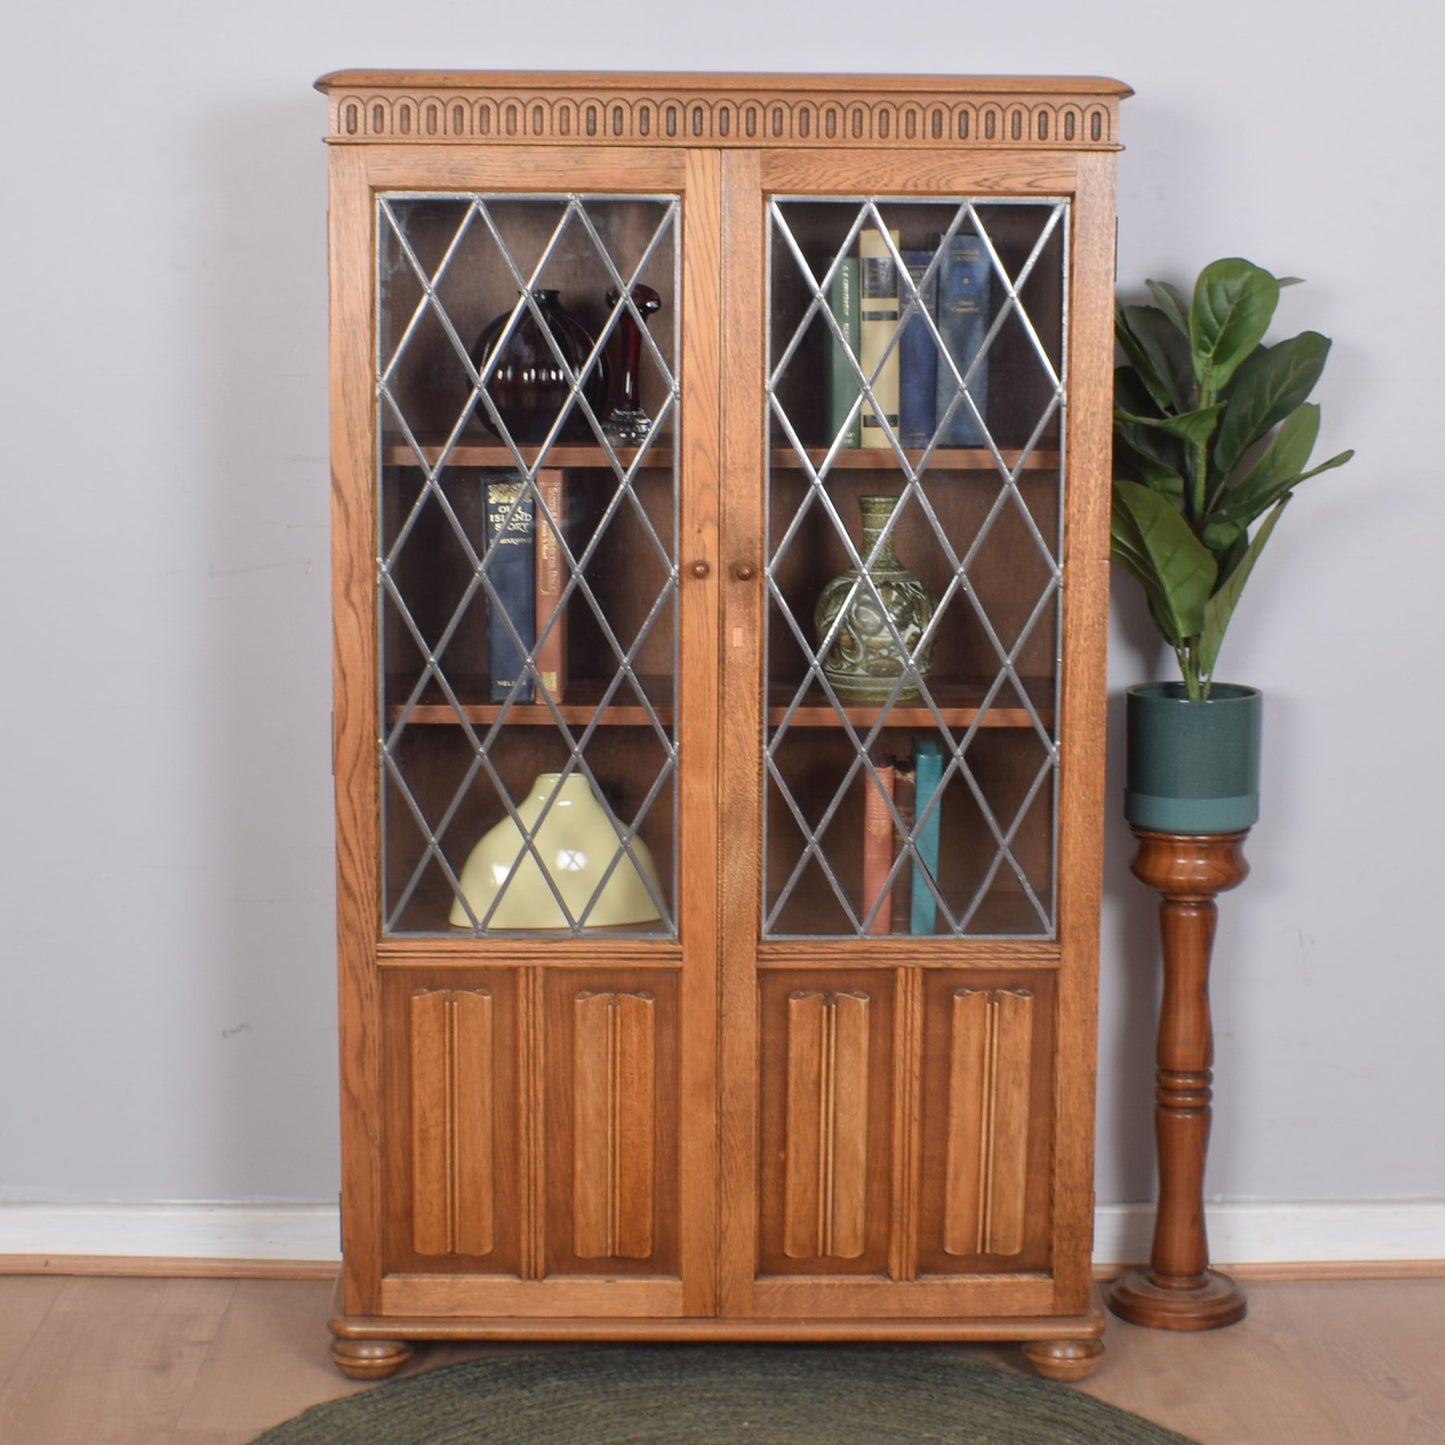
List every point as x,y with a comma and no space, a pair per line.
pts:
906,112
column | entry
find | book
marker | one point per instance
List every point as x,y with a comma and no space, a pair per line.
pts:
842,379
963,302
510,562
549,566
877,843
927,776
903,807
877,322
917,351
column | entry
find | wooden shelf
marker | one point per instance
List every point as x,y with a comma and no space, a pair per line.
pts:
583,699
944,459
478,453
958,703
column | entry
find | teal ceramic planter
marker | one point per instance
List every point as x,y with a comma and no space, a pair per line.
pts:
1193,765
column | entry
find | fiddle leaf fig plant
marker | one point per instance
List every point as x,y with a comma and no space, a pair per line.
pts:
1212,433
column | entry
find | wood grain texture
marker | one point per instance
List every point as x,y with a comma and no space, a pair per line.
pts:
826,1140
1179,1291
453,1086
988,1122
614,1044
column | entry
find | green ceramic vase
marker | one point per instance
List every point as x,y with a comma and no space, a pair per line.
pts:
864,662
1193,764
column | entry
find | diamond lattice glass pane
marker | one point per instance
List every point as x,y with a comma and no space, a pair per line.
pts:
527,561
916,394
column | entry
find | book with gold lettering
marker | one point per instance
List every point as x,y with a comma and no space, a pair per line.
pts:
510,567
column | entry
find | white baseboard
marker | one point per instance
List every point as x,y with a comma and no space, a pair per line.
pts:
302,1232
1303,1232
1287,1232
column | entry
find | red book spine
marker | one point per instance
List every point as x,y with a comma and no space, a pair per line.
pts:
878,844
551,579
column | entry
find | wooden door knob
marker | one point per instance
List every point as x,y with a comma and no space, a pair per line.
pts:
744,571
700,569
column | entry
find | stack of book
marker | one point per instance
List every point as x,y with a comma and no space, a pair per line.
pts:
913,786
526,565
915,390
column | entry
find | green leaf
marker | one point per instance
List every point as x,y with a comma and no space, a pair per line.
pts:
1270,385
1220,607
1160,355
1194,427
1172,303
1234,301
1285,487
1154,542
1286,456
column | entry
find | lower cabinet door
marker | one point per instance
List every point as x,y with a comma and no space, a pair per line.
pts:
531,1142
904,1141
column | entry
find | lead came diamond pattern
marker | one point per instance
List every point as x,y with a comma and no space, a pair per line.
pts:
458,753
976,515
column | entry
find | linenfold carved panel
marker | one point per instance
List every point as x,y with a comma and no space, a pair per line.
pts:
614,1126
990,1062
825,1185
452,1087
851,116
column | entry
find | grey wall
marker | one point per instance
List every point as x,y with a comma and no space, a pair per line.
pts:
166,1024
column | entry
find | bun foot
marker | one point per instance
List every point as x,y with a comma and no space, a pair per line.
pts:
1065,1360
1208,1301
369,1359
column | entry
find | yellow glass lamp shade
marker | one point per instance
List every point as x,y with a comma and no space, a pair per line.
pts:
577,842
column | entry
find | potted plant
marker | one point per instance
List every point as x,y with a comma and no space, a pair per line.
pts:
1213,431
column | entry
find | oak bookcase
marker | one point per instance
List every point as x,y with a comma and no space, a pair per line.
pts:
770,1109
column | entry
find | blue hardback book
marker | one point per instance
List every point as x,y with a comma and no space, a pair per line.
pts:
963,302
927,775
510,561
917,353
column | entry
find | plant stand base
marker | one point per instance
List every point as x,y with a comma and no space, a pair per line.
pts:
1207,1303
1179,1291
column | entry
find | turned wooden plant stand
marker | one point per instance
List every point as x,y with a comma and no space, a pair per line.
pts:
1178,1291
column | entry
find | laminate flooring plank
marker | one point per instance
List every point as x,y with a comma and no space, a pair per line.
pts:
113,1362
1313,1363
269,1361
25,1300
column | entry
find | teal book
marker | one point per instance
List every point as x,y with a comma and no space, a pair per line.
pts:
917,351
963,304
842,380
510,561
927,779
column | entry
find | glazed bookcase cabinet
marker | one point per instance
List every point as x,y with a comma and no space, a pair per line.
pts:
833,1076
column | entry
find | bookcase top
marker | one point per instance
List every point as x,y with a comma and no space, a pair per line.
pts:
723,110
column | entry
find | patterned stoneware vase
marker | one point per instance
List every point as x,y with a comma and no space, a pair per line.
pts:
863,661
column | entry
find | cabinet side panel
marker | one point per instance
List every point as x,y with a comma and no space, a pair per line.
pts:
1083,717
353,551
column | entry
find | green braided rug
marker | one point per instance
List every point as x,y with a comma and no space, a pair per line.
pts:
720,1394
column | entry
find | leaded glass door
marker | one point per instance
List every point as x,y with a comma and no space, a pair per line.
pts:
537,968
913,392
527,576
914,565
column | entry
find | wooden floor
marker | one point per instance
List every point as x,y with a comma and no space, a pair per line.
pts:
107,1361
